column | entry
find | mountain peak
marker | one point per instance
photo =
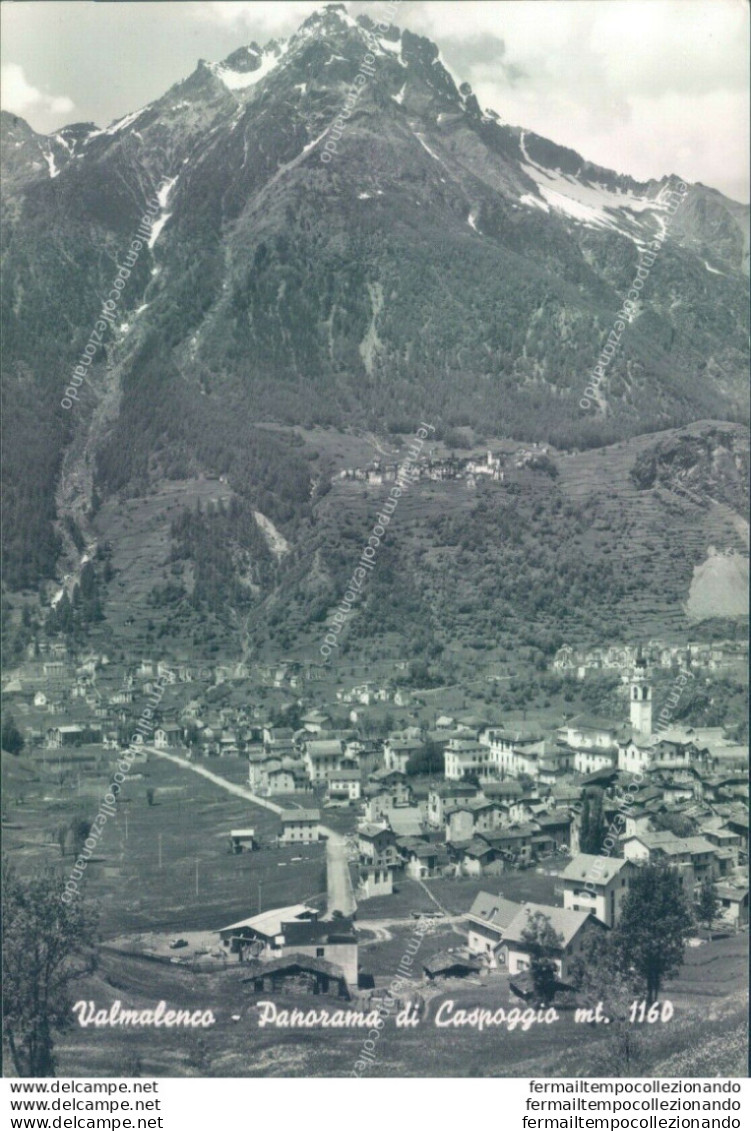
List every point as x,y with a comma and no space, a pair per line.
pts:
332,14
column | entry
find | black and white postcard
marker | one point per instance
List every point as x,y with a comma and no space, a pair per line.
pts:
375,542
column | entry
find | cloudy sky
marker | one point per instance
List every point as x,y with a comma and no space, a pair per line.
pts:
646,87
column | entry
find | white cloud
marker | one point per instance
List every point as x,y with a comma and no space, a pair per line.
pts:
18,96
646,87
255,17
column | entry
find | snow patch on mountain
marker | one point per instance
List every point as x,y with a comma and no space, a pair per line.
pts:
50,159
425,146
243,80
116,127
162,196
591,204
393,47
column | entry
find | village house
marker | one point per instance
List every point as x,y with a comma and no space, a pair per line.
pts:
344,785
449,964
693,852
288,776
398,751
259,935
374,880
274,736
556,826
322,757
334,942
465,756
169,734
515,753
598,884
376,845
487,921
424,860
590,760
635,757
300,826
550,772
445,794
315,721
733,903
72,734
575,928
464,818
290,933
515,844
256,772
406,821
395,783
378,804
503,791
585,732
474,858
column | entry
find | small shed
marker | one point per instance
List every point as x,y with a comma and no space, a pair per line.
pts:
448,964
242,839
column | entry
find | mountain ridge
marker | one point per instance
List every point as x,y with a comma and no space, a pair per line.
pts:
441,258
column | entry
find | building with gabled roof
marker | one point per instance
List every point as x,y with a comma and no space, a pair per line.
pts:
598,884
300,826
574,929
487,921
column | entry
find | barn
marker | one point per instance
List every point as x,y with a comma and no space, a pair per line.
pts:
297,974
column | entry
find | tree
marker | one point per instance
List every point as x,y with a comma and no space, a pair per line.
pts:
11,738
47,945
150,796
601,982
541,941
592,830
584,824
677,823
707,904
428,760
79,830
650,938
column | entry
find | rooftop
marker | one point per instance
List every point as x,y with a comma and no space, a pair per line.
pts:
269,923
494,909
595,869
295,816
564,922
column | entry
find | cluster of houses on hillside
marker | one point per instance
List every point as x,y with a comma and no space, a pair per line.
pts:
721,655
491,467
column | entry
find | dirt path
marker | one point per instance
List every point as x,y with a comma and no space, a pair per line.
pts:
447,916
